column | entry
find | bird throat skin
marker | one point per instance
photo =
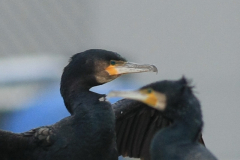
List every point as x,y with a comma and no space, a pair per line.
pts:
186,128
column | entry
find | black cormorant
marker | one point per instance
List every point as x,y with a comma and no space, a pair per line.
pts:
178,140
89,133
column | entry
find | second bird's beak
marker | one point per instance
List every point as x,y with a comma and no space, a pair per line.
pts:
129,67
153,99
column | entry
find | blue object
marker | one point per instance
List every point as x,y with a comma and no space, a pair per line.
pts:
48,107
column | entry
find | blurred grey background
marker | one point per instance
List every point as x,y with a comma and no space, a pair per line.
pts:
198,39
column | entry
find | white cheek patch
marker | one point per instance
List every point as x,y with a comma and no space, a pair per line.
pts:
104,79
161,105
101,79
162,101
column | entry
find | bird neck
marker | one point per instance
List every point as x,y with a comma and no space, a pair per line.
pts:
187,121
180,133
74,92
190,120
187,129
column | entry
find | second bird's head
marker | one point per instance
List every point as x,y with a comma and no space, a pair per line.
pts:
172,98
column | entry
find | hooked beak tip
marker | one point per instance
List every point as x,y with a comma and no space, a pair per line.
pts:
154,69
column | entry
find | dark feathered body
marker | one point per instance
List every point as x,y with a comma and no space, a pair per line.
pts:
87,135
170,143
137,123
180,140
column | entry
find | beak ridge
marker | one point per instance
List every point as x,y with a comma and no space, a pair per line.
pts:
129,67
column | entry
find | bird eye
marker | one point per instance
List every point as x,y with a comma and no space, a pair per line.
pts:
149,90
112,62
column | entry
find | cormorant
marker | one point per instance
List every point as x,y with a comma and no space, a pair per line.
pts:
179,106
89,133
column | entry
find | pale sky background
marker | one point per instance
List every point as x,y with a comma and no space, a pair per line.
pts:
198,39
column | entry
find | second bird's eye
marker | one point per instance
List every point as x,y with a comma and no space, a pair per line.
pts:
149,90
112,62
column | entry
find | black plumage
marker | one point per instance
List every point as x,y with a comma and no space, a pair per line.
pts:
89,132
175,131
136,125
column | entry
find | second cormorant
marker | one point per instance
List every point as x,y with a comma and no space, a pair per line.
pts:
179,106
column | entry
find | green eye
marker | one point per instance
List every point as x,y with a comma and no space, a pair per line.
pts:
149,90
112,63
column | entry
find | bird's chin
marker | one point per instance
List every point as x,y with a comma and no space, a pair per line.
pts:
105,79
116,76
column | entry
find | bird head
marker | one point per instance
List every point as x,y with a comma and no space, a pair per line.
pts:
172,98
94,67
